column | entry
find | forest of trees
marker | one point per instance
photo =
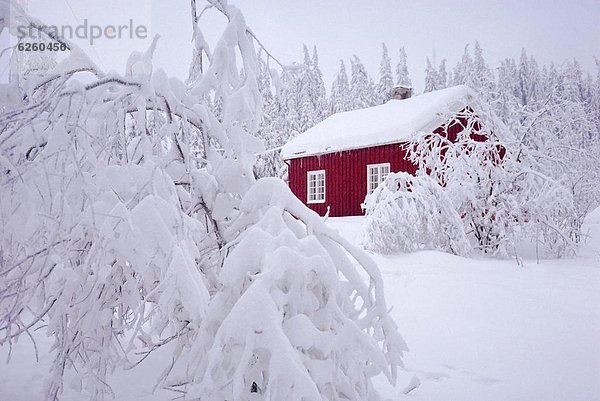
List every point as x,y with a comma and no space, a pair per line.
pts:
516,87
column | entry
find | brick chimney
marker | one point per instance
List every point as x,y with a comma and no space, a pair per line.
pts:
401,92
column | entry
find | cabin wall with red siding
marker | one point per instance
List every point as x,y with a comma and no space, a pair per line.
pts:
346,174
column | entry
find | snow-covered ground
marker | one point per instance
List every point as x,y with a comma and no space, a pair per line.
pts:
487,329
478,329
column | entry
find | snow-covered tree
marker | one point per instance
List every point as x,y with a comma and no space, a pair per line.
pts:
362,92
529,85
594,100
402,77
269,163
507,101
474,72
339,100
120,240
319,94
305,92
431,77
463,68
564,132
285,319
442,75
310,91
31,64
498,184
549,109
436,78
481,77
386,80
299,102
407,213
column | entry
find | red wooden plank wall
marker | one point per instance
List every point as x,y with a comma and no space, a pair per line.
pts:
346,174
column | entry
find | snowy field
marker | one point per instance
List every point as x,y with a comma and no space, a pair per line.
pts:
478,329
490,330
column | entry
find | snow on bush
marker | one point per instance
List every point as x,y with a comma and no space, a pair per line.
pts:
131,222
293,319
407,213
476,181
502,188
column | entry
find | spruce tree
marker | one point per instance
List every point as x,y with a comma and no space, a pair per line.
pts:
340,91
402,76
463,68
318,93
442,75
431,77
361,86
480,77
306,102
386,80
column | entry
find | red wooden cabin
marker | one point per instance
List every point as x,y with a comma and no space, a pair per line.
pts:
337,162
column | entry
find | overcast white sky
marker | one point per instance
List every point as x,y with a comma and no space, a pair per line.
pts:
550,30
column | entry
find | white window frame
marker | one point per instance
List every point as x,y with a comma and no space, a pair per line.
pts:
319,196
380,175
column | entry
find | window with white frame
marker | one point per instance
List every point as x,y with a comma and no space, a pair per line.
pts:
376,173
315,187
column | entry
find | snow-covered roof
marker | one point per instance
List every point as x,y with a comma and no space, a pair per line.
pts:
388,123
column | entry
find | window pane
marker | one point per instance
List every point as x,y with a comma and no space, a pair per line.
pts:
316,186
